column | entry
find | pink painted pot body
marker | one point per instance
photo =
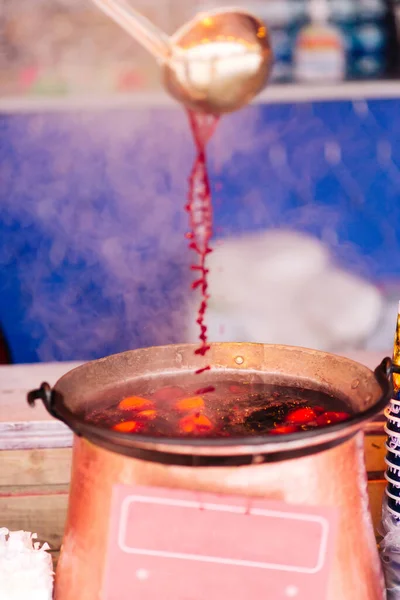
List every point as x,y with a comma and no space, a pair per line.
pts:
323,470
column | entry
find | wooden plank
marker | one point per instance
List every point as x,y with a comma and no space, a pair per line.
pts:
35,467
44,514
33,490
27,377
375,453
34,434
376,490
22,426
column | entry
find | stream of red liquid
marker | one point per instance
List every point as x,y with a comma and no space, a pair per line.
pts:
200,212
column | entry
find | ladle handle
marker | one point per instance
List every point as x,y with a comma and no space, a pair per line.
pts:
143,30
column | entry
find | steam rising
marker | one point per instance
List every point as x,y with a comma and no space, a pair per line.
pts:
101,255
102,198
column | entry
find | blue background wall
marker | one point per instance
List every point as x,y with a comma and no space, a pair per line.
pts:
93,258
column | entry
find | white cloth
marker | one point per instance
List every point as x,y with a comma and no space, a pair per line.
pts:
26,569
283,287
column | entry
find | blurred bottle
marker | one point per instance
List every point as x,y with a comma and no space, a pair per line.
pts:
319,54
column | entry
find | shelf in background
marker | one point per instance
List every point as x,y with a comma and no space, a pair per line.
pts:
274,94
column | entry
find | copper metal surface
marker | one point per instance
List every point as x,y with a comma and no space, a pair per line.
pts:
335,477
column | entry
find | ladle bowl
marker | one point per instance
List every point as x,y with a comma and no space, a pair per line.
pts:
216,63
220,62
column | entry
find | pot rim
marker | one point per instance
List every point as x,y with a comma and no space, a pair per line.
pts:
248,445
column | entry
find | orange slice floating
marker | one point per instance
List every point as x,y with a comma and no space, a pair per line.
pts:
135,403
301,416
128,427
284,429
195,424
187,404
148,415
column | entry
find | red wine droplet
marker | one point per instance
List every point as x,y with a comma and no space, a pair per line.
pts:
207,368
205,390
199,208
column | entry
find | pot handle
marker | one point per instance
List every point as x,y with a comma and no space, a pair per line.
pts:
47,396
384,375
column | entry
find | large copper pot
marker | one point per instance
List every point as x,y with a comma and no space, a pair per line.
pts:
324,467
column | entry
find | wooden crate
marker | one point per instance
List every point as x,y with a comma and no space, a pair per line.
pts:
375,464
34,492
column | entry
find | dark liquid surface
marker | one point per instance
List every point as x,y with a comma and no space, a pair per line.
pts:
224,408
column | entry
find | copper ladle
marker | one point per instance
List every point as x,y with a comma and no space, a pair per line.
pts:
216,63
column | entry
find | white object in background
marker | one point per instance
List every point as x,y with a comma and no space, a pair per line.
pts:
281,287
383,334
242,266
346,307
319,53
26,569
